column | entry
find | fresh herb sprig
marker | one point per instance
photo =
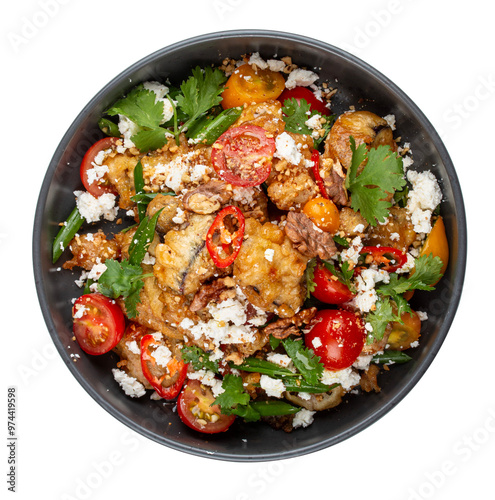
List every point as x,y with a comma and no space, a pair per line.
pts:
125,278
381,176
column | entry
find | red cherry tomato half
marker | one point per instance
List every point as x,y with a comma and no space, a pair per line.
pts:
156,375
96,188
223,245
99,323
386,258
337,336
196,409
243,155
328,288
306,94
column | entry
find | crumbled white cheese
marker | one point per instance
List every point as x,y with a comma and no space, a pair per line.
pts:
179,216
92,209
275,65
244,195
286,149
258,60
162,355
390,119
366,296
160,92
273,387
408,266
300,78
353,252
279,359
81,310
423,198
394,236
304,395
149,259
363,362
131,386
133,347
198,171
317,342
128,128
347,378
207,377
96,271
269,252
359,228
96,173
414,344
422,315
314,122
303,418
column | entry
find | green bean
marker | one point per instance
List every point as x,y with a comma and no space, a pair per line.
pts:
66,233
391,357
142,239
108,127
139,188
215,127
300,385
272,408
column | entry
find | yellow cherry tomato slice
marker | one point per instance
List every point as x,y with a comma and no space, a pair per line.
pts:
436,243
404,334
248,85
323,213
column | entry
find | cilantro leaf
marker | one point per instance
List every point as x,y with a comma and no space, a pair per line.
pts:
426,273
139,106
149,140
309,274
304,360
344,274
122,279
199,359
200,92
382,174
295,114
233,394
379,319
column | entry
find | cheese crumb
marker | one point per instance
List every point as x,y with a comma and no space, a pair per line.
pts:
303,418
269,252
131,386
287,149
273,387
300,78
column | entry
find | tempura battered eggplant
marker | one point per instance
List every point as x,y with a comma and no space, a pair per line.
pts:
364,127
269,270
183,263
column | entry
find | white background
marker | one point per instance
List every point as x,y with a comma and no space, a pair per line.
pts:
438,443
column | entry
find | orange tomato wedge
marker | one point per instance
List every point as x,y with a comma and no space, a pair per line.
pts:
436,243
323,213
248,85
404,334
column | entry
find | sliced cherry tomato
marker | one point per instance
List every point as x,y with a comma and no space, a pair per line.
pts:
336,336
299,93
328,288
156,375
243,155
436,243
405,333
196,409
223,244
315,158
387,258
99,323
323,213
248,85
96,188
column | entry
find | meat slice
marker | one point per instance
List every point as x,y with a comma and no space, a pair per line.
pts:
282,328
307,238
90,249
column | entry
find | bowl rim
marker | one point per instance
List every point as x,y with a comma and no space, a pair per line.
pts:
461,249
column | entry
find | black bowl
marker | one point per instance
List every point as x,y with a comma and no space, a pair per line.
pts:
359,85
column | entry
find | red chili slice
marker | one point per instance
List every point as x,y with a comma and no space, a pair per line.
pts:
315,158
243,155
225,247
148,363
384,256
